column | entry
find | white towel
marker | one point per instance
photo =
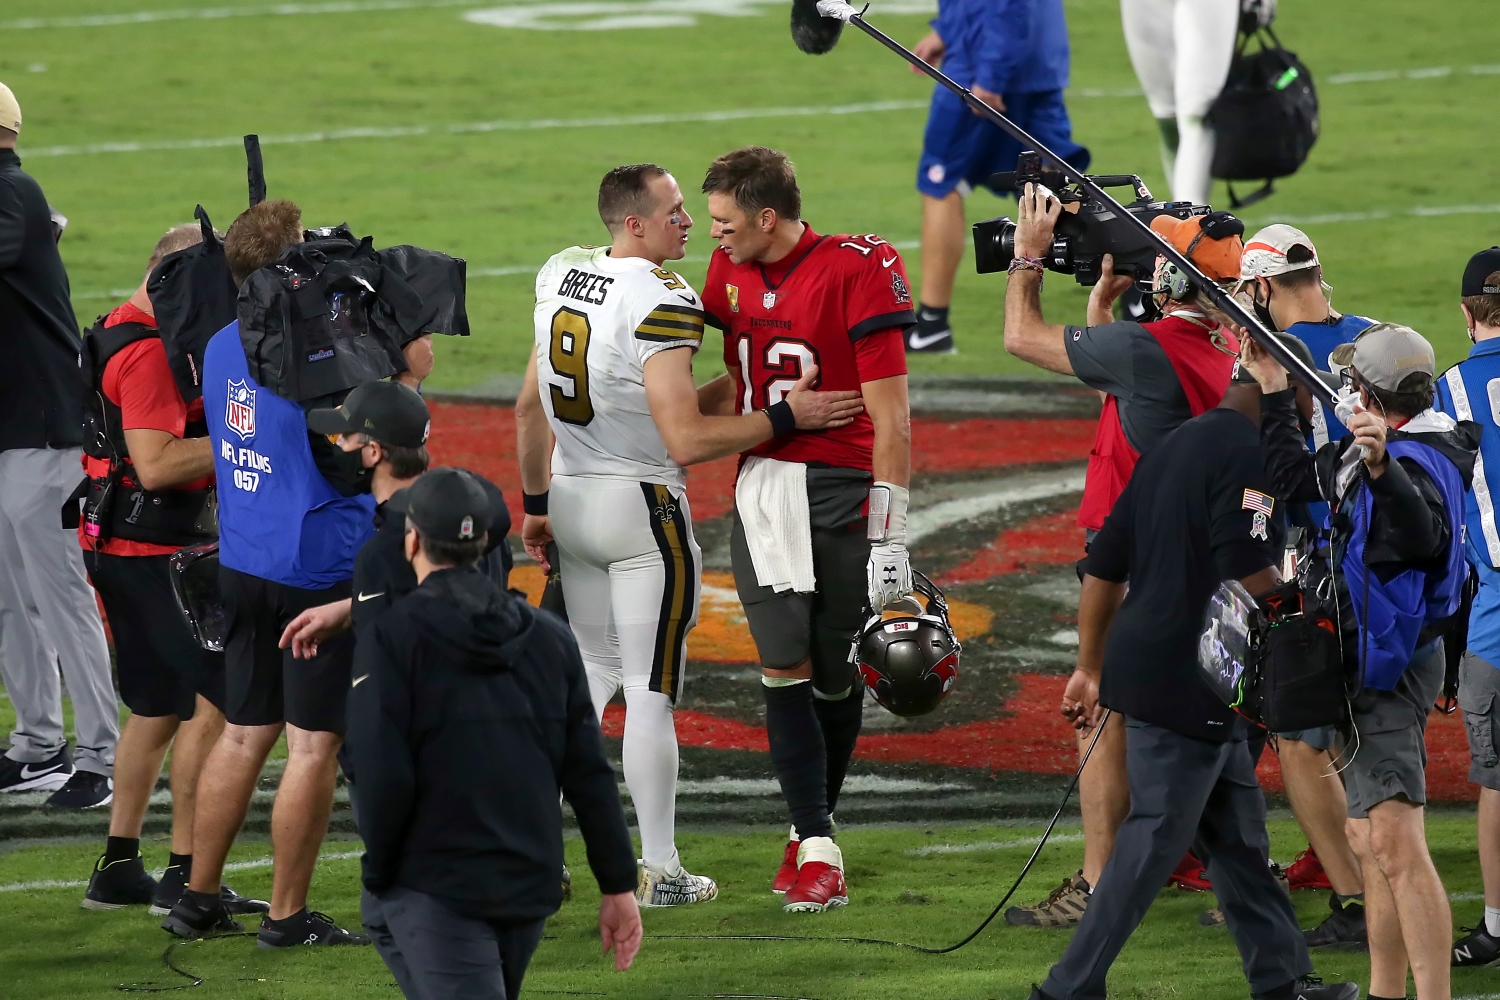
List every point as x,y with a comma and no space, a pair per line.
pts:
771,497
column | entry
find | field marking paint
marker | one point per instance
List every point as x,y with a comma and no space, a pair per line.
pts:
618,15
1416,212
990,845
236,866
931,520
857,784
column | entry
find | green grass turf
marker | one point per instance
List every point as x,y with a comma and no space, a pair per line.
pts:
507,198
54,949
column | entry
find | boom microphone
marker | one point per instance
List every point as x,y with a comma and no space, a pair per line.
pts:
814,33
817,39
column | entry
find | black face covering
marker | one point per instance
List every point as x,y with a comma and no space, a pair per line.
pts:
344,470
1263,312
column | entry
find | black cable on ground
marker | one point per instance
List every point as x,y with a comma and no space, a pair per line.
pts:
166,958
1026,868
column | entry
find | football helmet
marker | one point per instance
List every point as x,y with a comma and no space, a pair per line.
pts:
907,651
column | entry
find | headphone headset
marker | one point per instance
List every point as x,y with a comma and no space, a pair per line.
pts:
1176,282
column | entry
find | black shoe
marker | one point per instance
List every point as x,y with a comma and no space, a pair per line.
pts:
169,889
117,884
1342,930
47,776
196,915
305,927
921,340
84,790
1312,988
1476,948
237,904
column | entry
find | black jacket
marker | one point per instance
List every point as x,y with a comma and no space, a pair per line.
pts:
41,405
469,712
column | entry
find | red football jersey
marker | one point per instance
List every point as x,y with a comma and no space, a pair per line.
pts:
840,302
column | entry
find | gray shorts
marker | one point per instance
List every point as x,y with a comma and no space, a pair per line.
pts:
1390,759
789,628
1478,691
1322,738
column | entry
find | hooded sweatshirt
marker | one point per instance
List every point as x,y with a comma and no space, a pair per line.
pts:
469,712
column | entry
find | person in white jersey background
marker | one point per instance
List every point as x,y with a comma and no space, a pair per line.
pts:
607,417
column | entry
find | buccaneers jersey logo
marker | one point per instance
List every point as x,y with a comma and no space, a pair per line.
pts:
898,286
733,292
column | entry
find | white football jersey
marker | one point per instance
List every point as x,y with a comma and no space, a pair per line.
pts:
597,321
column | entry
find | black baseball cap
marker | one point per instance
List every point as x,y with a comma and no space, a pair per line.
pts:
449,505
1481,266
388,412
499,513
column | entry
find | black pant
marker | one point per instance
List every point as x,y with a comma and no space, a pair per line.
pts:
436,954
1187,793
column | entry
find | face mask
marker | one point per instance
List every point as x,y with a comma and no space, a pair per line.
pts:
1346,404
1263,312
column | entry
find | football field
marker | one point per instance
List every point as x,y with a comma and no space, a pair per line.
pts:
481,129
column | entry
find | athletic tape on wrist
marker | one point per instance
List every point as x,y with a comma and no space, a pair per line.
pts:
887,519
535,503
783,420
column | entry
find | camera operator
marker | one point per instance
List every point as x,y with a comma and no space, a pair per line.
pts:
1197,511
1464,393
469,713
1155,376
41,566
1396,484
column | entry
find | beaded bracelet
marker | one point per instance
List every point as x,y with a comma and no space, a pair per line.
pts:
1020,263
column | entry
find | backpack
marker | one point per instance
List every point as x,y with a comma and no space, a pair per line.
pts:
1265,120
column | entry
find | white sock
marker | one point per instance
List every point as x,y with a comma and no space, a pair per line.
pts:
820,849
650,759
1492,920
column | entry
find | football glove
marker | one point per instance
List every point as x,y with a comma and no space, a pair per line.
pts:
888,573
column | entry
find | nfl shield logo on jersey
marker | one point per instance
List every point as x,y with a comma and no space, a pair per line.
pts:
239,410
733,294
768,300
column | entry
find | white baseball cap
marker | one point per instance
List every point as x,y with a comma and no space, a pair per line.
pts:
1266,252
10,110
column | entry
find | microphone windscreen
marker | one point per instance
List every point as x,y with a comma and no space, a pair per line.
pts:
814,33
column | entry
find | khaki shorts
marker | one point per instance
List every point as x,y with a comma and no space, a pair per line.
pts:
1478,692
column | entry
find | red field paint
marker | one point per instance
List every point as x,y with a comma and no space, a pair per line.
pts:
1049,540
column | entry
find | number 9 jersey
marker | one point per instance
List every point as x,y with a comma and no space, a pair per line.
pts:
598,320
840,302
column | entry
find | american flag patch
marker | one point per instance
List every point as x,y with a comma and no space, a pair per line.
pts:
1258,501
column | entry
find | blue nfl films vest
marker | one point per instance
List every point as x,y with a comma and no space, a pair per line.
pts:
1398,608
278,517
1321,339
1470,390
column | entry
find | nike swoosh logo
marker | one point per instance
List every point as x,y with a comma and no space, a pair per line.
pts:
27,773
691,300
918,342
361,677
888,263
370,597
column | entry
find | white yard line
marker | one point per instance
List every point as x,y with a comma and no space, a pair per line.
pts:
930,520
234,866
990,845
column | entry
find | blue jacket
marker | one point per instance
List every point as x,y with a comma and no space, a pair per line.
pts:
1007,46
279,519
1321,339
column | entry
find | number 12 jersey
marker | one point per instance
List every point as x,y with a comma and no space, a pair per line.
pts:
840,302
598,320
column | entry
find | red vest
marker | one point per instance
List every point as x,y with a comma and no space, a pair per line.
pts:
1203,370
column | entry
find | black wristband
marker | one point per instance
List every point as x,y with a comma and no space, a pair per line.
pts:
534,503
783,420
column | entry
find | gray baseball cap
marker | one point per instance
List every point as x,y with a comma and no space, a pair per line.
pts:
1386,355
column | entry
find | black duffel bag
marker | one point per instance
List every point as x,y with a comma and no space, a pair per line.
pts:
1265,120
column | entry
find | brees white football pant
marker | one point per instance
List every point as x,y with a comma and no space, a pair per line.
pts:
1181,50
630,578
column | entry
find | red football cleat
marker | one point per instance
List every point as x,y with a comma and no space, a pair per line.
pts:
1306,872
819,887
786,875
1190,874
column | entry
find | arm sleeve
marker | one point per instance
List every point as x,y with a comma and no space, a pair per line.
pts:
12,226
1005,43
1292,471
380,744
1409,522
1103,357
588,783
1245,533
878,296
144,389
676,320
1109,552
880,355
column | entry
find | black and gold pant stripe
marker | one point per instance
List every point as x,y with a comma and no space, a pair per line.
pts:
668,323
673,533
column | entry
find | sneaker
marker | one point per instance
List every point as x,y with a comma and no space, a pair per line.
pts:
305,927
1064,907
1344,929
920,340
84,790
567,884
118,883
47,776
820,882
193,916
658,889
786,875
174,882
1313,988
1212,918
1306,872
1190,874
237,904
1476,947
